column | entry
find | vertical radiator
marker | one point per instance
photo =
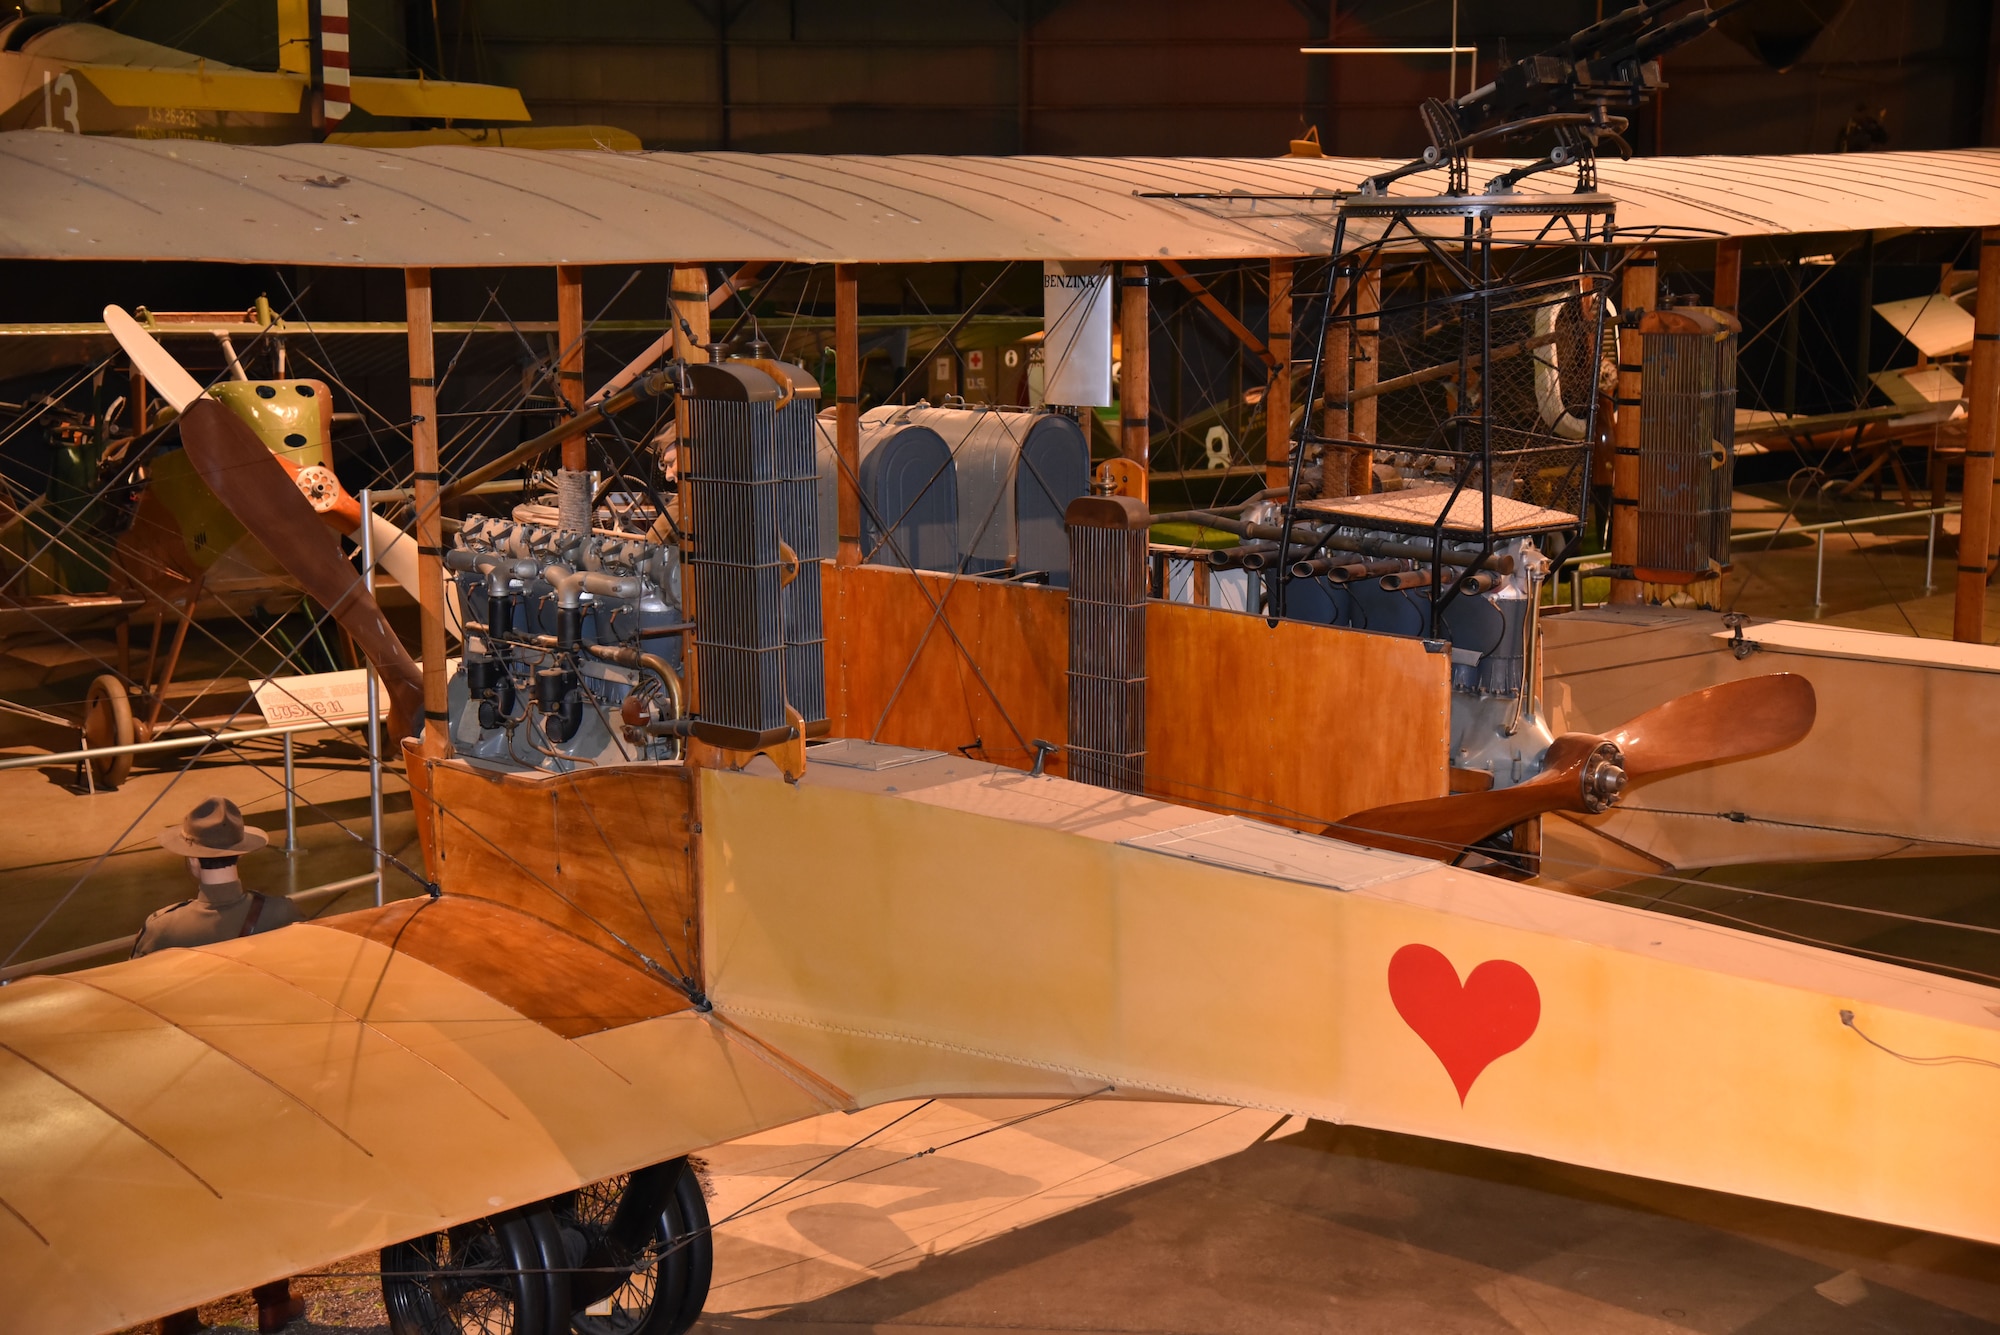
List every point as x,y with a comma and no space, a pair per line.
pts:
796,441
1687,436
735,466
1108,577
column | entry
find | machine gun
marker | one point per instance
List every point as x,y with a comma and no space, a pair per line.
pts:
1570,89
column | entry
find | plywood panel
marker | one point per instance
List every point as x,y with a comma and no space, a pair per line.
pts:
1919,711
602,853
1293,722
1298,723
531,968
896,675
1633,1042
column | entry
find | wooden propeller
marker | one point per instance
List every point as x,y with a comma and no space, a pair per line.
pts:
292,510
1589,772
266,500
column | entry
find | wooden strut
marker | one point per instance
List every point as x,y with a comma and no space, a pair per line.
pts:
173,654
1975,521
569,358
428,526
1219,311
1337,357
1135,383
691,309
1367,359
1443,371
1728,273
847,409
664,344
1278,383
1641,291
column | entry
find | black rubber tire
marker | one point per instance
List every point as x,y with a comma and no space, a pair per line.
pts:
505,1275
661,1208
690,1203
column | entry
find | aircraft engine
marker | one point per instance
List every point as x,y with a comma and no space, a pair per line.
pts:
572,646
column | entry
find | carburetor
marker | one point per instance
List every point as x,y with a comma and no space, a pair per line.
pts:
572,646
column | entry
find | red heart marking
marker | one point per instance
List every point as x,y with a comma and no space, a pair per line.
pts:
1494,1012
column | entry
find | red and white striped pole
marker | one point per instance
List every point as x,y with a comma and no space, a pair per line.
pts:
334,88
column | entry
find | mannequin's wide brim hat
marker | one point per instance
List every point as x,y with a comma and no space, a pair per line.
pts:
215,829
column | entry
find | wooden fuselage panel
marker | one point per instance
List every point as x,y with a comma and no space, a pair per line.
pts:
605,854
1287,721
974,922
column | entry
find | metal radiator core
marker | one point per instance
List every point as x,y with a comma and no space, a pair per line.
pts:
1687,433
795,441
731,471
1107,641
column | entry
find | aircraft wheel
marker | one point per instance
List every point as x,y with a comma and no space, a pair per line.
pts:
642,1249
502,1275
107,721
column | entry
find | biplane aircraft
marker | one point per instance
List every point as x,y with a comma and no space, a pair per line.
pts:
67,74
729,820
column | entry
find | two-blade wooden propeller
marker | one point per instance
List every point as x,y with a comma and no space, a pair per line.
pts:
1588,772
294,512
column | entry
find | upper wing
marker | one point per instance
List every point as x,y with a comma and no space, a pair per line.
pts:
217,1118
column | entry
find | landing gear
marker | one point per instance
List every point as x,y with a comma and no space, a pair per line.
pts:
107,721
642,1250
627,1256
496,1276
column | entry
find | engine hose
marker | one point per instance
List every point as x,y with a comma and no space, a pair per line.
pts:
627,657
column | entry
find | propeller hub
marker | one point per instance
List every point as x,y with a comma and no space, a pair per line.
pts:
1603,777
319,486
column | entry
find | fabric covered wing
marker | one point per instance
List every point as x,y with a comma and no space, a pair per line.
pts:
220,1117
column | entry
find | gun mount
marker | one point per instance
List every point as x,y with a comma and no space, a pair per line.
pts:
1570,91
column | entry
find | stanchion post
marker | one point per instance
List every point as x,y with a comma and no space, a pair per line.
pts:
374,704
291,801
1819,568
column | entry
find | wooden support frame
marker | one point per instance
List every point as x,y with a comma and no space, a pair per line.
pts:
1367,360
1729,273
1640,294
569,355
691,311
428,528
1135,386
1975,521
847,408
1214,307
1278,383
1336,357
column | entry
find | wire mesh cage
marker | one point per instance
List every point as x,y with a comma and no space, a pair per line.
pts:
1460,354
1506,383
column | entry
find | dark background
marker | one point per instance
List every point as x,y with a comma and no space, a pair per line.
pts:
1181,77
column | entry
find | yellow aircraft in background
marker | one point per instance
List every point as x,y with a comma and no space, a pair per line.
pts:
78,77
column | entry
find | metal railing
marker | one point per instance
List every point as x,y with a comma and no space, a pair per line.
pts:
198,739
124,944
86,755
1860,523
